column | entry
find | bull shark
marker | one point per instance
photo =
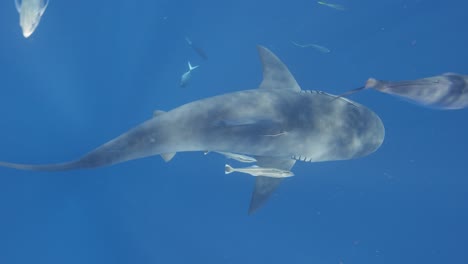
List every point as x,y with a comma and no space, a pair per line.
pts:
309,125
30,12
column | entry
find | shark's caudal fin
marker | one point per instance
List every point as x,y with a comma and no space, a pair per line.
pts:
45,167
191,68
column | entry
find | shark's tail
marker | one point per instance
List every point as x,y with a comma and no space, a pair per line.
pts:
191,68
43,167
228,169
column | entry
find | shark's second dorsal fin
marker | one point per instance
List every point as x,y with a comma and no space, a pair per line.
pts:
158,113
276,75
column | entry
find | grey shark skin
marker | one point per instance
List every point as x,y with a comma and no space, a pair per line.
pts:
447,91
30,12
310,125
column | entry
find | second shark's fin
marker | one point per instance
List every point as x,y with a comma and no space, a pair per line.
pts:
265,186
168,156
276,75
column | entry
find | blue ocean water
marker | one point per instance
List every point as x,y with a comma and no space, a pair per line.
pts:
94,69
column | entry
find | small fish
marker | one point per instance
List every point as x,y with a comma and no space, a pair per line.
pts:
334,6
187,75
197,49
445,91
234,156
259,171
30,12
315,46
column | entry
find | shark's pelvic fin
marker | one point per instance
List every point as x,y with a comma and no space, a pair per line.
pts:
275,74
265,186
168,156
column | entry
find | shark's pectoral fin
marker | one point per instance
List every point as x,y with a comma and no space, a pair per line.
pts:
168,156
276,75
18,5
265,186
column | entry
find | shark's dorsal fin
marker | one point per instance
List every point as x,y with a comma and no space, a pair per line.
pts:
265,186
168,156
276,75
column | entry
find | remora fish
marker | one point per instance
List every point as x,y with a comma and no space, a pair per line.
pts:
238,157
30,12
318,129
187,75
446,91
259,171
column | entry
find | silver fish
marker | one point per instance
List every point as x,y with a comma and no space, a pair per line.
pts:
187,75
259,171
235,156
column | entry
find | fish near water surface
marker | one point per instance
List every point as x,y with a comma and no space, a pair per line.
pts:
30,12
277,124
